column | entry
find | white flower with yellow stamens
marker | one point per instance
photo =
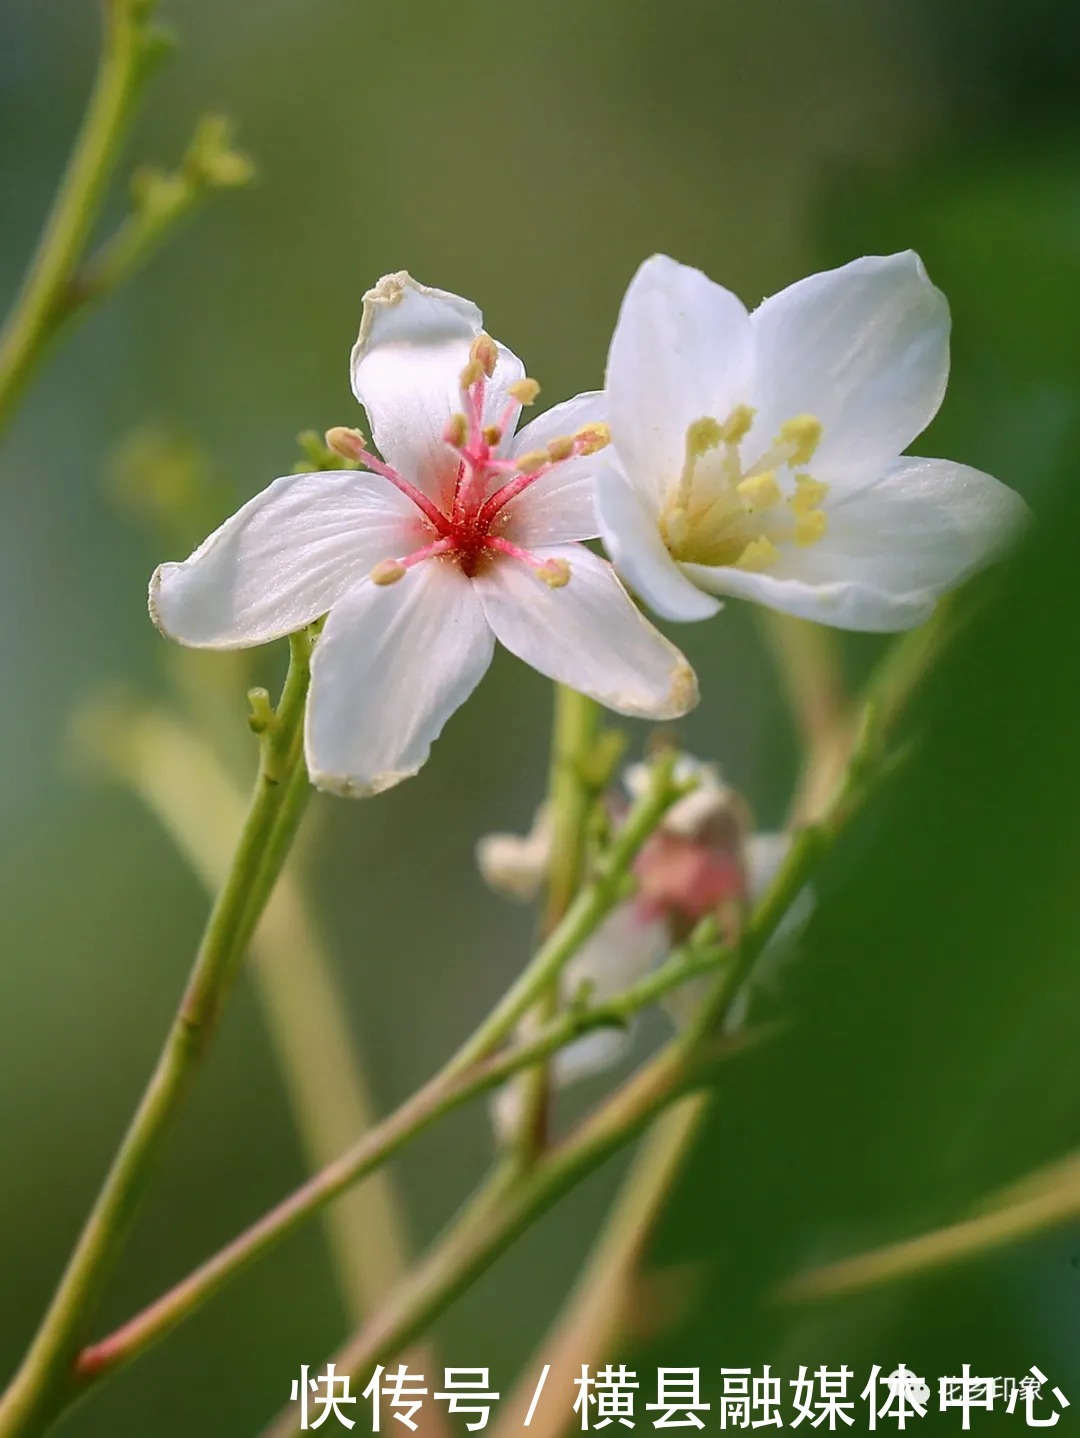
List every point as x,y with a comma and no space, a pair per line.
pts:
760,455
462,533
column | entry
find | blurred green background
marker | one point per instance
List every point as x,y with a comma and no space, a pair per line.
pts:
530,157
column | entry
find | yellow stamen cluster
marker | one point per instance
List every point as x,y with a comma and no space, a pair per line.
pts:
737,425
760,491
703,435
457,430
808,496
809,528
720,513
760,553
804,433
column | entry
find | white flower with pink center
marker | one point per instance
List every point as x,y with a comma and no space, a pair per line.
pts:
702,860
463,532
760,454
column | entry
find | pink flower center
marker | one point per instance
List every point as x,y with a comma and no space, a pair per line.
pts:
467,526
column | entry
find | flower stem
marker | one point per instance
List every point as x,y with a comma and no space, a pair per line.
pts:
128,46
809,661
597,1314
441,1095
589,908
570,800
498,1215
38,1389
177,775
469,1248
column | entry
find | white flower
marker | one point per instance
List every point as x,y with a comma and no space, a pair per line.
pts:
700,861
463,533
760,455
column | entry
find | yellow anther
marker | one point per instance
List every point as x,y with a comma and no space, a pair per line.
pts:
485,353
492,435
592,437
804,433
760,491
809,494
349,443
472,372
560,449
809,528
535,459
523,390
704,434
676,523
554,572
387,571
456,430
737,425
759,554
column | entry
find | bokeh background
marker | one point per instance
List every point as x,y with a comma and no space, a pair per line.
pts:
530,157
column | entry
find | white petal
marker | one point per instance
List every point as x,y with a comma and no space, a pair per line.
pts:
864,348
765,853
891,550
588,635
632,539
391,666
406,365
559,507
283,559
681,351
516,864
561,420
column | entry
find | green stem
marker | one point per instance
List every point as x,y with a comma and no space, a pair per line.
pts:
127,47
177,775
570,800
465,1252
38,1388
439,1096
477,1239
605,1297
590,907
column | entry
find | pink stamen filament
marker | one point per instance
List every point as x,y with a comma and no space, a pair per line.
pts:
511,490
429,551
476,454
515,551
427,507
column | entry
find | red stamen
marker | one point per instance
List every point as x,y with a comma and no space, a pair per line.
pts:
426,506
429,551
511,490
